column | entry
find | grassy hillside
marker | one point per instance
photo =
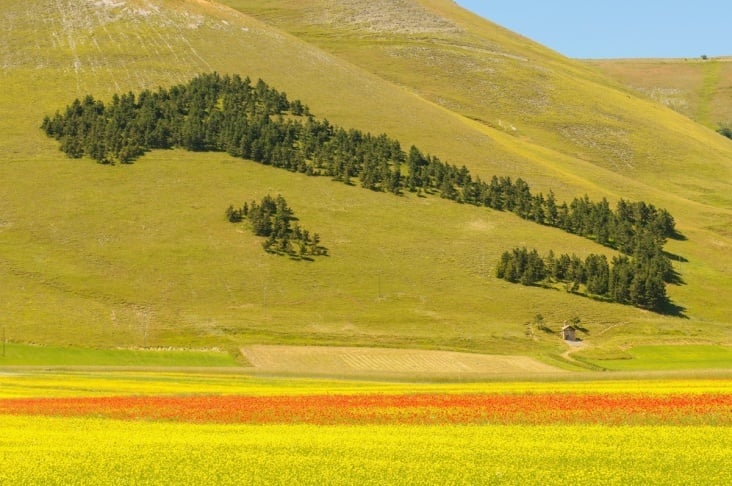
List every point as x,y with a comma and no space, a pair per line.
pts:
141,255
698,88
508,84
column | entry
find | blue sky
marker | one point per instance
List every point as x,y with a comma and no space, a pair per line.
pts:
618,28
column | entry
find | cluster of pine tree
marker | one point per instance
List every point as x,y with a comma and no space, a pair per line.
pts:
259,123
211,112
637,229
273,218
636,281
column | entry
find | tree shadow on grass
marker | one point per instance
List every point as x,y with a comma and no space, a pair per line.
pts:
669,308
678,236
676,278
674,257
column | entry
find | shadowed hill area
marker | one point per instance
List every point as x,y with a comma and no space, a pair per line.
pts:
142,254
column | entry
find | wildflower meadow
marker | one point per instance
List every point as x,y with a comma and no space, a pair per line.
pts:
248,432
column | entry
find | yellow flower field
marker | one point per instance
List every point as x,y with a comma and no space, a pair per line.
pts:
570,432
94,451
119,383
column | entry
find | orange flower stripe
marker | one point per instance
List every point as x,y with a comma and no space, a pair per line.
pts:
541,408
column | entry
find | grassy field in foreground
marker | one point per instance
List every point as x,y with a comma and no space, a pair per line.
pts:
370,363
26,355
670,358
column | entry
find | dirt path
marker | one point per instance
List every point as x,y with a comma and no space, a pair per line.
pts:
574,346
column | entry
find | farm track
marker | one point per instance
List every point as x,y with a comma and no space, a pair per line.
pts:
350,362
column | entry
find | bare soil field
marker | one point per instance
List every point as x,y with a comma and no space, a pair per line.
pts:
375,362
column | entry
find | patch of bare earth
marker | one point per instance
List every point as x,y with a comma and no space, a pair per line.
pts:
356,361
384,16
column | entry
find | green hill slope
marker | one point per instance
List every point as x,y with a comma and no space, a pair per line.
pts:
698,88
508,83
141,255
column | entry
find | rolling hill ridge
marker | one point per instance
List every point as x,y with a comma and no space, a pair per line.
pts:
142,255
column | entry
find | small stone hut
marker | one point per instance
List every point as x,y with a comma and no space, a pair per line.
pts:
568,333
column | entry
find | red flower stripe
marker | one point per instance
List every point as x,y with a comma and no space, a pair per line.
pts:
543,408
